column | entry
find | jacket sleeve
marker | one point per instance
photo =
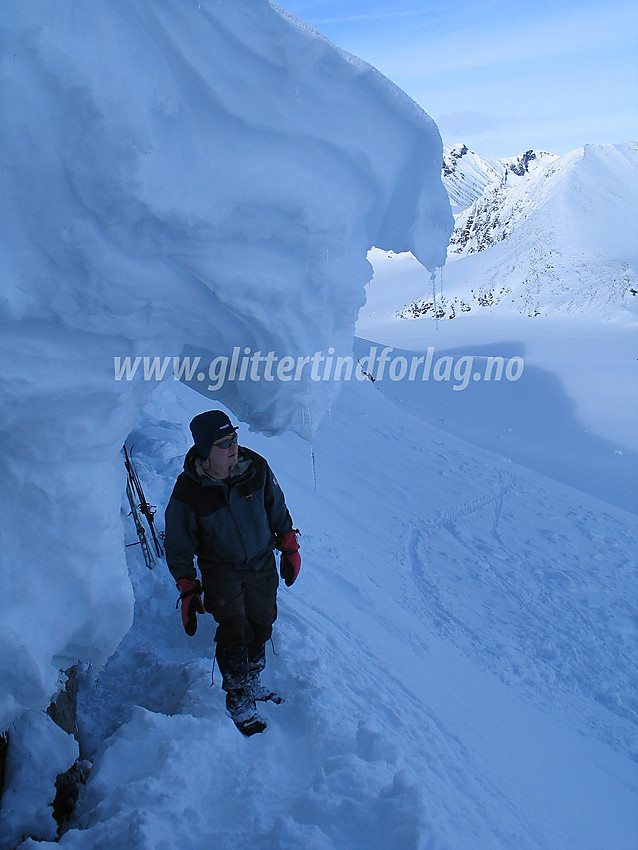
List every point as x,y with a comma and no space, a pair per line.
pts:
180,540
275,504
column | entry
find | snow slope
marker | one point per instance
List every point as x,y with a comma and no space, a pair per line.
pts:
570,413
457,657
176,174
547,273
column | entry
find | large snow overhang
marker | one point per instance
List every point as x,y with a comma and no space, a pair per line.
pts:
177,175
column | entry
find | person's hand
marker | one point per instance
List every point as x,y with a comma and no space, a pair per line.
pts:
190,595
290,562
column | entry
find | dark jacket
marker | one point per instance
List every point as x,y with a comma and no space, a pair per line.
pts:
231,522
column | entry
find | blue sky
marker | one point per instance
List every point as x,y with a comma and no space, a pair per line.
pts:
502,77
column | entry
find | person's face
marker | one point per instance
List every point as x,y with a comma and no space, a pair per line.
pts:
224,451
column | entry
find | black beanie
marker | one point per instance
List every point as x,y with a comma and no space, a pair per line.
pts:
209,427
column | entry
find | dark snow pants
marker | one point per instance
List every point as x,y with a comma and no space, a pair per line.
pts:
244,605
243,602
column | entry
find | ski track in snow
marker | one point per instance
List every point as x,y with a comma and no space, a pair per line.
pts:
545,603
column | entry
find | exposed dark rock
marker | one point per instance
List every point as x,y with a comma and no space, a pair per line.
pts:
67,789
62,711
63,708
521,166
455,155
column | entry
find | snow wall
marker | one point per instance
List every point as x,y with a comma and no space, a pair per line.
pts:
175,173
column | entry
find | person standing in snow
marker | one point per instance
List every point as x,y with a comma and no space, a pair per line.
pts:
228,510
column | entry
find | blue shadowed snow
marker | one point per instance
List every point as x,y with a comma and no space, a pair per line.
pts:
530,419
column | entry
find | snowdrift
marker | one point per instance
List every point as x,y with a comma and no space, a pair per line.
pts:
177,174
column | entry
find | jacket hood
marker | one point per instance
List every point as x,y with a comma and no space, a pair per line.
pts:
193,465
190,463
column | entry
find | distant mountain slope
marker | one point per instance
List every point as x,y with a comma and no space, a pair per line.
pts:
541,234
467,175
490,217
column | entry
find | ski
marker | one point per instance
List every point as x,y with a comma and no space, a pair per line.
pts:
148,511
149,560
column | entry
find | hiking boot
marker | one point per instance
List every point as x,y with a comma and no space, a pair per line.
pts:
256,663
261,693
240,705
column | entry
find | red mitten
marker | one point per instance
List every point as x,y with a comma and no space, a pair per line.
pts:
290,562
190,595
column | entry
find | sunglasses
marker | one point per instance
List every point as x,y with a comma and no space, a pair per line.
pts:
226,444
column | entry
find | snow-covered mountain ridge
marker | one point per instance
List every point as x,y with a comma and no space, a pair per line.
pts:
539,233
468,175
